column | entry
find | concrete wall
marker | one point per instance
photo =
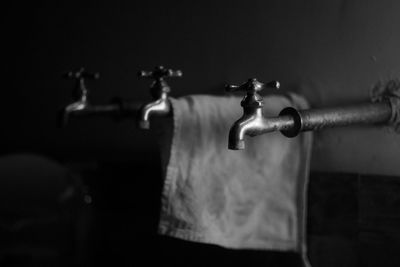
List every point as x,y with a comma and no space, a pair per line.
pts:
331,51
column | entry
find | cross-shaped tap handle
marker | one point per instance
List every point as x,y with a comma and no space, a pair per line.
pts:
82,74
160,72
81,91
252,86
159,87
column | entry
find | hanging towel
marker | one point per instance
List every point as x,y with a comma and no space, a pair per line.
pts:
249,199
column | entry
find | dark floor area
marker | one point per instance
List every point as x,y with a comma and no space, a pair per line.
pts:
353,220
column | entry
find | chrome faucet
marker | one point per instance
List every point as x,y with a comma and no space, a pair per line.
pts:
290,121
79,95
83,108
159,90
252,122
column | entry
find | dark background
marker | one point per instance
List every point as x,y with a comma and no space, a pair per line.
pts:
330,51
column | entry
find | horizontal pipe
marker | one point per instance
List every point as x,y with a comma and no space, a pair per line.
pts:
120,109
281,123
317,119
97,110
358,114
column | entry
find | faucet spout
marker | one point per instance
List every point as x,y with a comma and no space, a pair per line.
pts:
253,123
160,106
83,109
75,107
248,124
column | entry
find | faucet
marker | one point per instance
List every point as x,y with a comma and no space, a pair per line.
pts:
252,122
159,90
79,95
290,121
81,105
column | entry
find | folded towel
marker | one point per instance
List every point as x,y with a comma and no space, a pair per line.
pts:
250,199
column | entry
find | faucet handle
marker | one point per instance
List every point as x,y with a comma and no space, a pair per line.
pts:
252,86
160,72
82,74
159,87
80,92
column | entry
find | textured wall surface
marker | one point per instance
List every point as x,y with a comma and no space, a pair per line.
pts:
331,51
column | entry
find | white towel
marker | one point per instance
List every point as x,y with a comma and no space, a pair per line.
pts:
249,199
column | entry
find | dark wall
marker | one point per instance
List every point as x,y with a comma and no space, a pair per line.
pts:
331,51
